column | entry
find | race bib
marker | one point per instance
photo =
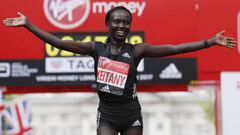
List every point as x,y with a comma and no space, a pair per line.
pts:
112,73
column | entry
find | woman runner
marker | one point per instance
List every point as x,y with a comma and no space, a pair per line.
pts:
116,64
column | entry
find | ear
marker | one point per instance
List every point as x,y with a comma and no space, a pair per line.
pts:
107,28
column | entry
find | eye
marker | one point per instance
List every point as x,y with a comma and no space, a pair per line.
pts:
126,23
116,21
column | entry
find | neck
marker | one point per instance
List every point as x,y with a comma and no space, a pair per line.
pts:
116,46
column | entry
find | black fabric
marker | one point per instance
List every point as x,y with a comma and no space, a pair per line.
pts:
106,130
120,123
118,111
128,92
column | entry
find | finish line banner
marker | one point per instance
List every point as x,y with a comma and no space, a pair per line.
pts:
77,71
230,94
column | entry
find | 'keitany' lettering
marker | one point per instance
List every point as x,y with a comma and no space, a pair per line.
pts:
111,78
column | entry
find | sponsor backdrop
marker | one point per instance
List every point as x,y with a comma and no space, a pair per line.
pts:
83,20
65,68
230,86
79,71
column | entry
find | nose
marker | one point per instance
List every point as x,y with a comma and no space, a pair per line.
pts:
121,25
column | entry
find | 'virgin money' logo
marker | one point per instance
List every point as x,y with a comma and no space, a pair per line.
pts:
66,14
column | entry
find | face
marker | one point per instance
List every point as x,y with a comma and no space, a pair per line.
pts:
119,25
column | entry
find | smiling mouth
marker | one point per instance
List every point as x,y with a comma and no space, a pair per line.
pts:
120,32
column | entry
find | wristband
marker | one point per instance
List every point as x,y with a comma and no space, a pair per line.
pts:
206,44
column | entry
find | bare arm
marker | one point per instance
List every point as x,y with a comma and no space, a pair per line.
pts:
72,46
147,50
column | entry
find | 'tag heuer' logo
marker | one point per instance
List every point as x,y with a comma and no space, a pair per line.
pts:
67,14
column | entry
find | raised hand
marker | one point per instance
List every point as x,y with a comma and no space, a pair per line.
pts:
225,41
15,22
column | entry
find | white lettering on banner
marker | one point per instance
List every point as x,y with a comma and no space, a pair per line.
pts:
134,7
145,77
112,72
69,65
4,69
69,14
86,77
45,78
19,69
61,9
64,78
67,78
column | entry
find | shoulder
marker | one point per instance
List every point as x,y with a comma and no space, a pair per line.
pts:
99,44
140,49
141,46
129,45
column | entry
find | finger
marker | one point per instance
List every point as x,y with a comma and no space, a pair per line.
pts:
8,25
9,19
230,45
222,32
230,38
4,21
233,42
233,45
8,22
227,46
19,13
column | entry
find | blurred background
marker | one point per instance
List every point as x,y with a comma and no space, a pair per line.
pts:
47,91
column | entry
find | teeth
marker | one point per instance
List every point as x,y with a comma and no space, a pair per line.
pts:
120,32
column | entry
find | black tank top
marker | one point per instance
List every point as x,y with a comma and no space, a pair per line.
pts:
115,74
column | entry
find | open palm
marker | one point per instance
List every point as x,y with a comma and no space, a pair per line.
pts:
225,41
15,22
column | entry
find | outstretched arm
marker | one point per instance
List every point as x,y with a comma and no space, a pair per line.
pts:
72,46
147,50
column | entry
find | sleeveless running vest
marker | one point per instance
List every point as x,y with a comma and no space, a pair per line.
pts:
115,74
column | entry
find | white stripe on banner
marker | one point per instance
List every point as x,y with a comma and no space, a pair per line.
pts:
1,108
230,92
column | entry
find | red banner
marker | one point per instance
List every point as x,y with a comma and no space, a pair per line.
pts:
162,21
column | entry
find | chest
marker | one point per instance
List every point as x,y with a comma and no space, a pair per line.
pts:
124,57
